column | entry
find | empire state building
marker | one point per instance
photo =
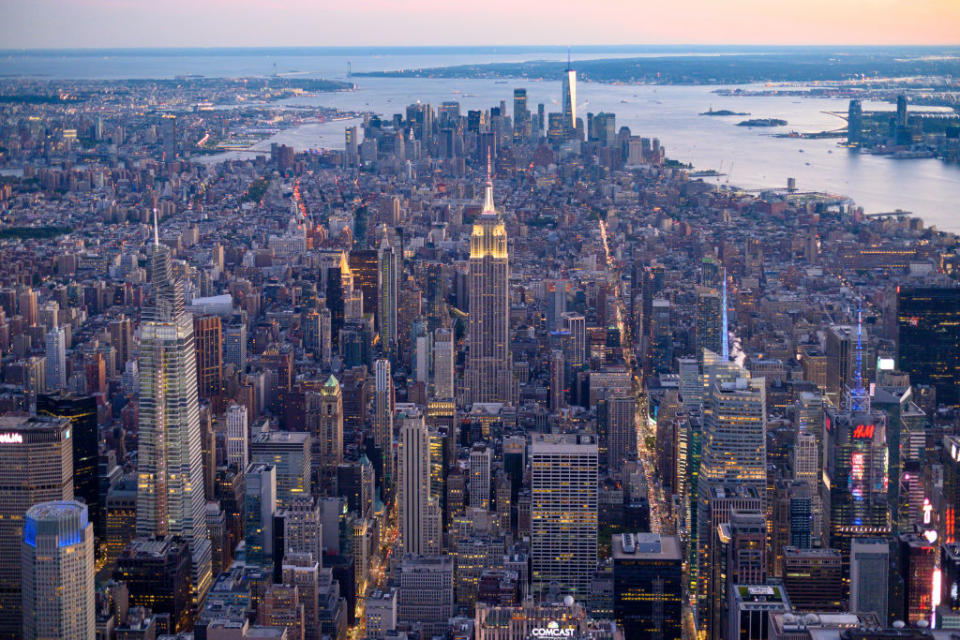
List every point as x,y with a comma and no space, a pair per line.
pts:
170,497
489,370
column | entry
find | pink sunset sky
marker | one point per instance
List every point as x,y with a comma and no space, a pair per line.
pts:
180,23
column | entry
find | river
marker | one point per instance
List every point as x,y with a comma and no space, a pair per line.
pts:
750,157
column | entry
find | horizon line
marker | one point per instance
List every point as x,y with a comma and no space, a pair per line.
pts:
558,47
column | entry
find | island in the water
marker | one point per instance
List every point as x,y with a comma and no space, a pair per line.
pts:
724,112
762,122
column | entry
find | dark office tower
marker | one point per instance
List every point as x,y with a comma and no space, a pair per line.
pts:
917,563
901,111
709,320
259,507
208,337
81,411
474,120
235,346
603,129
541,120
36,465
311,331
951,489
448,137
950,565
436,296
813,579
520,112
929,342
361,226
335,300
870,576
660,351
350,485
366,276
855,123
792,521
647,585
157,573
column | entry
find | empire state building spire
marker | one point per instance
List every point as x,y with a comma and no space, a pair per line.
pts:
488,207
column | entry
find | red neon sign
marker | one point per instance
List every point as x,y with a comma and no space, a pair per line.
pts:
863,431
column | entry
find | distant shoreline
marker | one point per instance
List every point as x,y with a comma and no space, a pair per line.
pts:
493,49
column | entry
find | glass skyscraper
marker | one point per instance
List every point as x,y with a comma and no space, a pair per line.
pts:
928,320
170,498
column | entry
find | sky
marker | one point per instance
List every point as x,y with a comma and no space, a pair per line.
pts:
249,23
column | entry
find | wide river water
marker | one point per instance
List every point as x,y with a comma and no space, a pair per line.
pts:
750,157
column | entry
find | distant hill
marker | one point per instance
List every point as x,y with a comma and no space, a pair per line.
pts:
787,64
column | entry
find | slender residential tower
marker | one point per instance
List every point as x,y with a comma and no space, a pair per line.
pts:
489,365
383,399
170,496
388,264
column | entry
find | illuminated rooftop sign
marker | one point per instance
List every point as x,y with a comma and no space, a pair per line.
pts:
864,431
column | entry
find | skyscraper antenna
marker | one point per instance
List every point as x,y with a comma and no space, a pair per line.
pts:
568,57
859,394
488,191
724,335
156,229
